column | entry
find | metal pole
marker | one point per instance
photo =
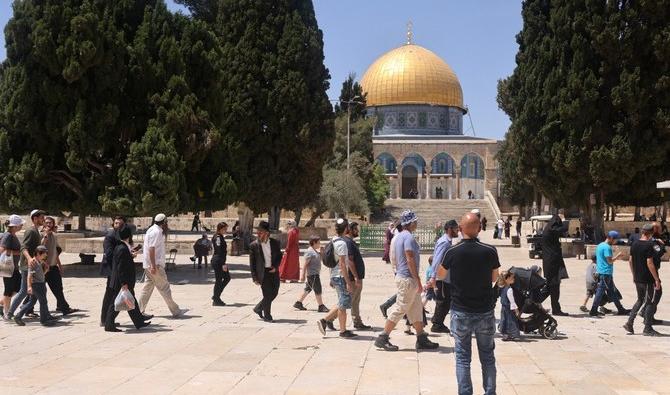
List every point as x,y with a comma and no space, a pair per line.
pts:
348,130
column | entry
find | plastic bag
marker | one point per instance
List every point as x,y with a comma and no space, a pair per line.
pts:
124,301
6,265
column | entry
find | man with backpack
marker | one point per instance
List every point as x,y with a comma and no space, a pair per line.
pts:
336,257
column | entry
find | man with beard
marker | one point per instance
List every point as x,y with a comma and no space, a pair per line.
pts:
553,265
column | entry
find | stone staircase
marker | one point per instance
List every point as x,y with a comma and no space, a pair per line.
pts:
435,211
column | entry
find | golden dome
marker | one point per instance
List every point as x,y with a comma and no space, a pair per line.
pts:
411,74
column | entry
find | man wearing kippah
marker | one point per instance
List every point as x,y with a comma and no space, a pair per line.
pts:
605,267
154,267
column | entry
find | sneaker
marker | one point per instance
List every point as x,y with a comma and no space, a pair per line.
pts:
596,314
19,321
439,328
560,314
623,312
423,343
299,306
604,310
629,328
384,309
323,309
180,313
218,302
584,309
650,332
348,334
361,326
321,324
383,343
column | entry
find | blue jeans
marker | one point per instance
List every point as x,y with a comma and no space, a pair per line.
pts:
343,296
605,284
18,298
483,325
39,295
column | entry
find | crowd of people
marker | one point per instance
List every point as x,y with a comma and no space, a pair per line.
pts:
462,277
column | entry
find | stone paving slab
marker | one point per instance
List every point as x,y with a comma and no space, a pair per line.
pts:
229,350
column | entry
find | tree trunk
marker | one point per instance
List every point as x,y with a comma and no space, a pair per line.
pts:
82,221
597,218
298,215
273,217
315,215
636,216
613,213
246,218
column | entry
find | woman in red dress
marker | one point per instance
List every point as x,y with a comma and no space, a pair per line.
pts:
289,269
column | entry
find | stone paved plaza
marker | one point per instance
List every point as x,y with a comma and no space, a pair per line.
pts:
229,350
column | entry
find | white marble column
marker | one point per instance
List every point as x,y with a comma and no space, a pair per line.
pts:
428,170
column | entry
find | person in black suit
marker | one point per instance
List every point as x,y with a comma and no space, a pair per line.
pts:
109,243
123,277
264,259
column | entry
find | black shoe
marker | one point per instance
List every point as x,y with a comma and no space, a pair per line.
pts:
330,325
199,266
48,323
384,309
423,343
650,332
321,324
604,310
299,306
623,312
69,311
143,324
596,314
361,326
560,314
348,334
409,332
323,309
147,317
267,318
656,322
629,328
218,302
439,328
19,321
383,343
113,330
52,318
258,311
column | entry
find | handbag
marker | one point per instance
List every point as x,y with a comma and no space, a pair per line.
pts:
6,265
563,273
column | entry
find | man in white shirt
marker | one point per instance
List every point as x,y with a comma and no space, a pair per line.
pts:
154,266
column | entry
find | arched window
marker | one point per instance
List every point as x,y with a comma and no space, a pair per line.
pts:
472,166
415,160
387,162
442,163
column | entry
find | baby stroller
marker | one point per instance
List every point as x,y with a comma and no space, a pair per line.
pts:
530,290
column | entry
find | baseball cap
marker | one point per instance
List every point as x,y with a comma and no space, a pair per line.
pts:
160,217
613,234
36,213
451,224
15,220
41,248
648,228
408,217
290,222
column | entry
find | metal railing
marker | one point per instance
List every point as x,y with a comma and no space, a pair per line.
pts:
372,237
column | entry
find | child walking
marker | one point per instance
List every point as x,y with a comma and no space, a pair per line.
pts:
311,275
509,311
37,290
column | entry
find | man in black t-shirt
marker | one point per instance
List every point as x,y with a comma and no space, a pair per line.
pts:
357,277
472,267
647,282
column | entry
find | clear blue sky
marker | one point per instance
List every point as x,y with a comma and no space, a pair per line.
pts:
475,37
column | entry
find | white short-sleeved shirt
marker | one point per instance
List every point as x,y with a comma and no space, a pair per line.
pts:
340,250
154,238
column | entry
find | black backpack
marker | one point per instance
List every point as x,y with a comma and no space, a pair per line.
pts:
329,259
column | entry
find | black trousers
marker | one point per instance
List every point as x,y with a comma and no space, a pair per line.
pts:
555,294
648,297
135,314
55,282
442,302
221,279
270,289
107,300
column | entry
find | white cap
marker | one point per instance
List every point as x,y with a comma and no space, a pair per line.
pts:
36,212
475,211
15,220
290,222
159,217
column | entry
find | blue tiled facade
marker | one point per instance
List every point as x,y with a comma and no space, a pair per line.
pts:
417,120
